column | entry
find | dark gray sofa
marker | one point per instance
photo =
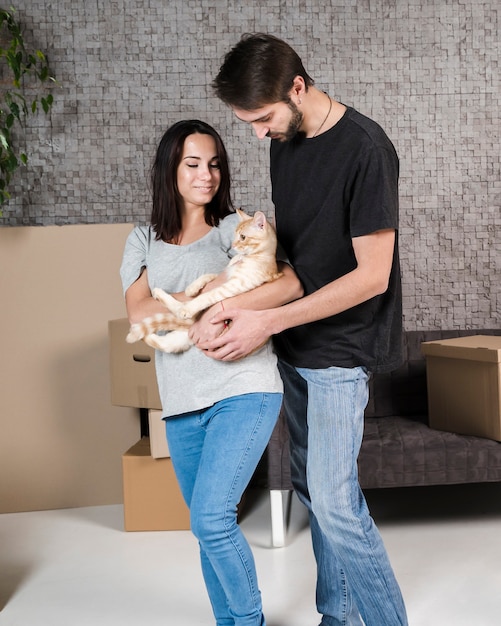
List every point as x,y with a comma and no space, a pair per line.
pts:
399,449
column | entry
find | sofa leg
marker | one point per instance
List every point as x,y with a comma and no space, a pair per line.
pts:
279,516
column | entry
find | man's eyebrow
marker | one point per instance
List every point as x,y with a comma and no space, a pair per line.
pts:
258,119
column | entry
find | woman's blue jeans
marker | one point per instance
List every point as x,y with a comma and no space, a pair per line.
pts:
214,453
325,413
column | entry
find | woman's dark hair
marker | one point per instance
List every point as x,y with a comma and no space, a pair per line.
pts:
167,203
259,70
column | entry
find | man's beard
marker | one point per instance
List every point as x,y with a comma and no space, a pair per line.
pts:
294,123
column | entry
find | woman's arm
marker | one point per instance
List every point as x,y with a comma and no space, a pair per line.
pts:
139,302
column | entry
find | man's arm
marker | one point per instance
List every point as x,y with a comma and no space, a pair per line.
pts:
250,329
274,294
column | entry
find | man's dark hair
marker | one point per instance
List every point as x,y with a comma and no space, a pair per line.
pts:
259,70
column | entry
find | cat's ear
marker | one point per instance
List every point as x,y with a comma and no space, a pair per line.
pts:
259,219
242,215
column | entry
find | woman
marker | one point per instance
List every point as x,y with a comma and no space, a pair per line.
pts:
219,416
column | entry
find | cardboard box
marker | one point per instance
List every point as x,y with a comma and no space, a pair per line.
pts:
464,385
158,439
132,370
152,498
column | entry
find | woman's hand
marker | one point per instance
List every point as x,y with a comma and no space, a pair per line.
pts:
204,330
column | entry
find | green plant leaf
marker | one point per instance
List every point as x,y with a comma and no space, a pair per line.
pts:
24,70
45,104
3,139
14,109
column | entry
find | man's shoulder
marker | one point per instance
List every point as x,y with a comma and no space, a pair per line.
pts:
367,127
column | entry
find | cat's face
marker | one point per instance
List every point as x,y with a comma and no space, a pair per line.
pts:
253,234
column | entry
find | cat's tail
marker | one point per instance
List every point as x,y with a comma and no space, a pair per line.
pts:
161,321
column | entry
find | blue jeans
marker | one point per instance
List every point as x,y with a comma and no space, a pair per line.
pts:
214,453
325,413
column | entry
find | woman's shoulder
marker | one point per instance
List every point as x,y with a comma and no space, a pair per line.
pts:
141,236
229,222
226,227
145,230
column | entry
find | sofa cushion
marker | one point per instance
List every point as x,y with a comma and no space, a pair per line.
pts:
400,452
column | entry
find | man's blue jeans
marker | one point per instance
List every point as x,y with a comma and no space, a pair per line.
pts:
325,414
214,453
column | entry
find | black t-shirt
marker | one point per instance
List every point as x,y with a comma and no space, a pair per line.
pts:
327,190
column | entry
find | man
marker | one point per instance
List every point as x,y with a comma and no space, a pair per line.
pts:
334,179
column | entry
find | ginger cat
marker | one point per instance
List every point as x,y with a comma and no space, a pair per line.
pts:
255,264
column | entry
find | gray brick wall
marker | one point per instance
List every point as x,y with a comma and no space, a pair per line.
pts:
427,71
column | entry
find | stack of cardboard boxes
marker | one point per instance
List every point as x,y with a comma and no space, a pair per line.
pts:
152,499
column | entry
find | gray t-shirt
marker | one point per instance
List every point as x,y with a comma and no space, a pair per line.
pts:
192,381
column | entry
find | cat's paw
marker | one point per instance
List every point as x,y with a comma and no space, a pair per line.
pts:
184,312
135,333
158,294
174,342
194,288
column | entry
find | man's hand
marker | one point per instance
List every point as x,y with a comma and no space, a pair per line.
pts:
246,332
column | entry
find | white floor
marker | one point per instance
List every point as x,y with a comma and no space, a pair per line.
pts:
78,567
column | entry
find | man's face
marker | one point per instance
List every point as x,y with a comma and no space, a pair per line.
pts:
281,120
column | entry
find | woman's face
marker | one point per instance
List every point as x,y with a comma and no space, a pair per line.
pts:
198,172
